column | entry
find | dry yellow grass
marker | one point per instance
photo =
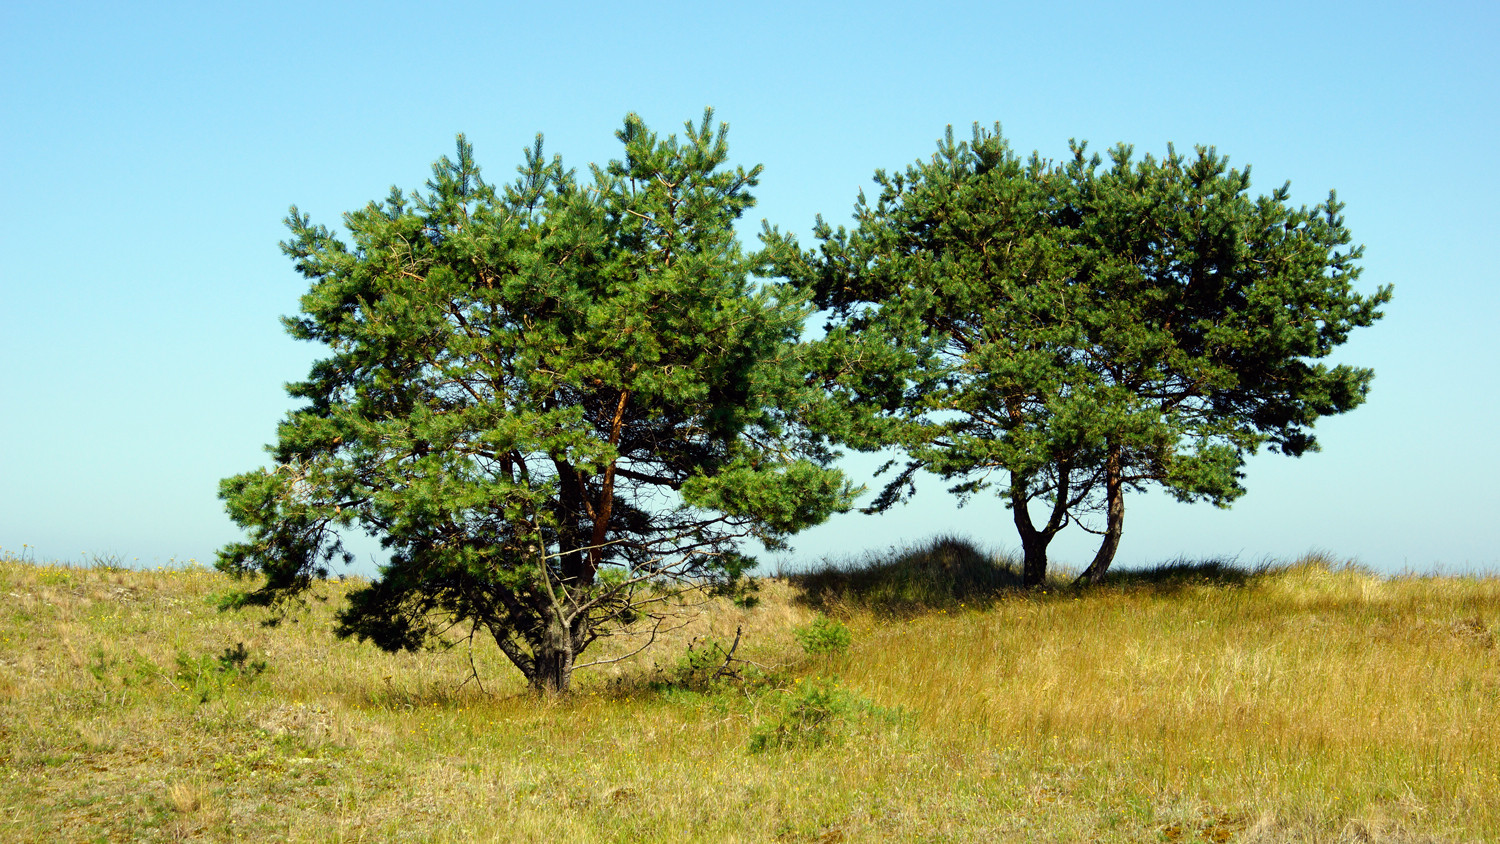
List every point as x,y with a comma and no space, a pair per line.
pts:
1309,704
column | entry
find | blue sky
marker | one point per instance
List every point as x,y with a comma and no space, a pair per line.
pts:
150,152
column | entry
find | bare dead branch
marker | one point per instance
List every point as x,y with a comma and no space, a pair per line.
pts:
647,644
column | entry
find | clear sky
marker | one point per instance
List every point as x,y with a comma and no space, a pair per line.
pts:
150,152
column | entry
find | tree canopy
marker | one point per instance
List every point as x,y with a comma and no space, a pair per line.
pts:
1066,331
557,403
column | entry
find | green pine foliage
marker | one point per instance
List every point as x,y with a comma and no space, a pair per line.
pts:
558,403
1065,332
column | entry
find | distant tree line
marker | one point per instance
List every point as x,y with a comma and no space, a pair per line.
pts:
563,403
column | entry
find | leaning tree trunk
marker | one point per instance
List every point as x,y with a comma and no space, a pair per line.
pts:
1114,502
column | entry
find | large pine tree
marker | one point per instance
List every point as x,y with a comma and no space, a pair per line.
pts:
1065,332
557,404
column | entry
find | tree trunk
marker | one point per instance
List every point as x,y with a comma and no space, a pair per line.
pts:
1034,542
1114,498
546,661
552,666
553,674
1033,546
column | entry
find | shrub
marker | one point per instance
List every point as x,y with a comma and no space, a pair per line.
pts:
817,712
811,717
824,637
710,665
207,677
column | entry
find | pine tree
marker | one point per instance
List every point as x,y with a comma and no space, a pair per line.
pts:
1064,333
558,405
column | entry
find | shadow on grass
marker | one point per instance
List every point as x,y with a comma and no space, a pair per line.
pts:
946,572
1182,573
950,572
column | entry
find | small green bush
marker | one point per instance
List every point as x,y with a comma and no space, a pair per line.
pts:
824,637
811,717
207,677
709,665
815,713
697,667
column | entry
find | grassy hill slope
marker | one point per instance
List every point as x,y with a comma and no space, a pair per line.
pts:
1304,703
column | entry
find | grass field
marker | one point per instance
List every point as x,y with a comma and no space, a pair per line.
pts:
1310,702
